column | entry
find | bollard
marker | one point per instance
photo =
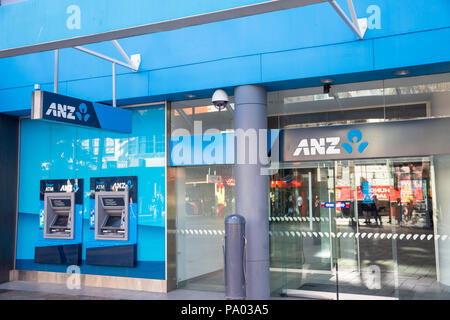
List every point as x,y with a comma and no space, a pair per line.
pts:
234,257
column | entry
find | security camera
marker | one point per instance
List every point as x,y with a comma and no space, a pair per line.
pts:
220,99
327,86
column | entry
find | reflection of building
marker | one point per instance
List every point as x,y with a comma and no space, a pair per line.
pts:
209,195
133,152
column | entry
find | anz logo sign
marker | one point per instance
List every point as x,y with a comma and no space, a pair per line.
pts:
69,187
331,145
56,107
318,146
82,114
61,111
68,112
354,137
122,185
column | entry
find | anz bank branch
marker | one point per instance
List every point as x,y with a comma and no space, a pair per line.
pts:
123,152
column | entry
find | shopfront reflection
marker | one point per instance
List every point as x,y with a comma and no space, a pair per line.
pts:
338,230
355,229
204,196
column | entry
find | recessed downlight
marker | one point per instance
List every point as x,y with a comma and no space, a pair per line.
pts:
327,80
190,96
402,72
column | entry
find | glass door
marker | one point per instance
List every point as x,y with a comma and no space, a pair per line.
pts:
361,229
302,228
384,226
366,262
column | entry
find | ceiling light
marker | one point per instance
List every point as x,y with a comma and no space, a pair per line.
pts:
402,72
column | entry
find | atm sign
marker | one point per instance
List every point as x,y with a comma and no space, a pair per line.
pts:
331,205
328,205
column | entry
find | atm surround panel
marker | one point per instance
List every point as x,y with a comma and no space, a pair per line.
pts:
59,222
111,215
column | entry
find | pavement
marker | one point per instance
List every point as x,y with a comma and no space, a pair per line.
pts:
27,290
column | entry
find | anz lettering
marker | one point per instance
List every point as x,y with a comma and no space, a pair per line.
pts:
120,186
66,188
61,111
320,146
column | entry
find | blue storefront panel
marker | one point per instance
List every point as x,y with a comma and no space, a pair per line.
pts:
55,151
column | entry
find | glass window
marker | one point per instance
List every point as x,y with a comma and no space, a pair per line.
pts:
185,113
76,152
391,99
361,229
204,196
376,228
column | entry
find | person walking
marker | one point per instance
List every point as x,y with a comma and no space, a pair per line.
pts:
398,211
290,206
316,209
376,206
299,205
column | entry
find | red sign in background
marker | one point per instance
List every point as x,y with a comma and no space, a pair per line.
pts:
406,191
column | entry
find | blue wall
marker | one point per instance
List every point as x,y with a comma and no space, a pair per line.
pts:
43,21
284,49
56,151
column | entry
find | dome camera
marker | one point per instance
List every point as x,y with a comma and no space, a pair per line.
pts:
220,99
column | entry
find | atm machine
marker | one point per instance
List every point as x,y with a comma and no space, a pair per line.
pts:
60,222
59,215
111,214
113,225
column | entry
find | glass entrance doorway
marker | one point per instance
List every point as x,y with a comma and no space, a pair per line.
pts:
353,229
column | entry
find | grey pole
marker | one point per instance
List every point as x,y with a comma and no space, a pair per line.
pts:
114,84
234,255
56,71
252,189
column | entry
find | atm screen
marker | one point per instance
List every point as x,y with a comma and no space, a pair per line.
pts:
113,202
113,221
61,221
60,203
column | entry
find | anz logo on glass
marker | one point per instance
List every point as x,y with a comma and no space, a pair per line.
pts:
122,185
332,145
318,146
